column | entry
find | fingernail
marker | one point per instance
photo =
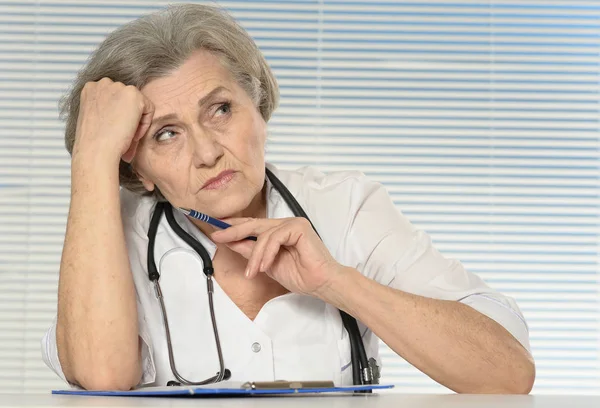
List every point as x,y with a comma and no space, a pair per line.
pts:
247,272
262,267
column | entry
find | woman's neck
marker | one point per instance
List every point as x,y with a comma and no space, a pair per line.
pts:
257,207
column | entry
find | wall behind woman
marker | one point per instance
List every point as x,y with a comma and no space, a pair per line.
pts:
481,118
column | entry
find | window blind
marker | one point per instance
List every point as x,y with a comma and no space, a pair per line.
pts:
480,117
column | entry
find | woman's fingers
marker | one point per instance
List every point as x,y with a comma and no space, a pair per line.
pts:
236,220
244,248
282,236
130,153
272,235
287,234
253,267
241,230
146,116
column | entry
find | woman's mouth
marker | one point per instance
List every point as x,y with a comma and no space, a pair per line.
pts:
221,180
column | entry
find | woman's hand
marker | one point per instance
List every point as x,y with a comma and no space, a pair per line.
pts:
113,117
287,249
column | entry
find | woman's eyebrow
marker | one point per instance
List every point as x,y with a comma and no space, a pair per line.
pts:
163,117
201,103
206,98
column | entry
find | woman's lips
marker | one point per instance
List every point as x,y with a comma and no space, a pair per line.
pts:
219,181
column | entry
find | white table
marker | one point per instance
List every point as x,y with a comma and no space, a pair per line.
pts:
387,400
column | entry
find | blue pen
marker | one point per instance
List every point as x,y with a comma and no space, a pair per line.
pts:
208,219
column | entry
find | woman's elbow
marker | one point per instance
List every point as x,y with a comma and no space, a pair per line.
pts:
100,376
515,379
524,378
519,379
98,371
105,380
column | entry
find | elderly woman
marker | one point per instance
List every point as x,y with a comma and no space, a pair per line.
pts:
173,107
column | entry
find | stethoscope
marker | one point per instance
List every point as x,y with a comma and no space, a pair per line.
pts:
364,370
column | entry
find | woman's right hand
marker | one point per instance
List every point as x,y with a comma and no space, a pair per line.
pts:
113,117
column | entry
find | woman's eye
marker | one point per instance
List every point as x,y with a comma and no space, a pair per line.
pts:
224,109
164,135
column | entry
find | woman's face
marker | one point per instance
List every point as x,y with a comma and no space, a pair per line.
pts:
205,147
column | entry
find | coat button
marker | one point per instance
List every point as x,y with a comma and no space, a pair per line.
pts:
255,347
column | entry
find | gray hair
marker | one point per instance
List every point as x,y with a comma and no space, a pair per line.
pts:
156,44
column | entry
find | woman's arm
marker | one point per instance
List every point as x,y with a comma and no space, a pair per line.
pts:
451,342
96,331
399,290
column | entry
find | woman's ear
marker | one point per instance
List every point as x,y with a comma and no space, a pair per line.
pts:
148,185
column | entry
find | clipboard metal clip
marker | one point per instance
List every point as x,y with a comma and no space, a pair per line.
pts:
281,384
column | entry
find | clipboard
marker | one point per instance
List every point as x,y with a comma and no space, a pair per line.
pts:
231,389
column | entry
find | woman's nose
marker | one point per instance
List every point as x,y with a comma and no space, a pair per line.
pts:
206,150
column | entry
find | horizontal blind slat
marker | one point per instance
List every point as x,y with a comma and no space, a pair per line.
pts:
480,119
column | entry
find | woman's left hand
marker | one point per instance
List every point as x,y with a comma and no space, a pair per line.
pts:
287,249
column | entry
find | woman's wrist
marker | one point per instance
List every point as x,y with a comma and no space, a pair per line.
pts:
344,284
91,170
90,157
85,153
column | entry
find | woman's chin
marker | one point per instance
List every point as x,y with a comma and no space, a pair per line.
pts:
227,206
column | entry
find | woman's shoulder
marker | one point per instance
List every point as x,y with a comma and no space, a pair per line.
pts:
332,200
309,179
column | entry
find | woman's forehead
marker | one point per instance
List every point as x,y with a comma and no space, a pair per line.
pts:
195,78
